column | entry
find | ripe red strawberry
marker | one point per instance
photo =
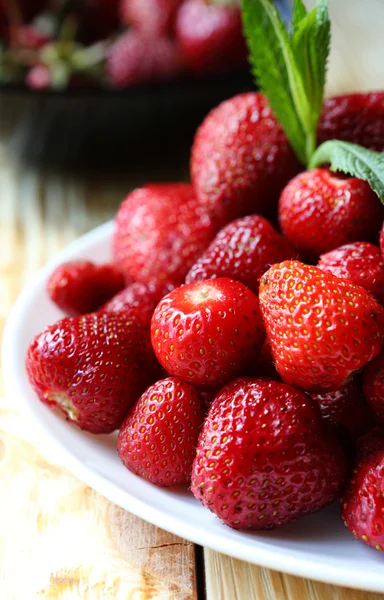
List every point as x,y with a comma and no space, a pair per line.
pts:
363,501
210,35
160,232
241,159
136,58
152,17
243,250
207,332
361,263
158,438
322,329
320,210
373,386
346,410
142,296
265,456
356,118
90,367
81,287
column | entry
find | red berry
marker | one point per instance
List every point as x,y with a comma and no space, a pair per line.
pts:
82,287
90,367
241,159
373,386
207,332
144,297
322,329
320,210
356,118
152,17
265,456
160,232
243,250
210,35
361,263
159,436
363,501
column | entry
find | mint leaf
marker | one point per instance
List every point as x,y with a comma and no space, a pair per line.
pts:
353,160
290,69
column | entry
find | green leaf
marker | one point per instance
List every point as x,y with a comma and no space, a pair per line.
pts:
353,160
290,69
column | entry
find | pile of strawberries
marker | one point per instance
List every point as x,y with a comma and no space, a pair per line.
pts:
59,43
237,340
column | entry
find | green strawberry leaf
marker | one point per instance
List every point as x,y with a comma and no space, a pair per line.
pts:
290,69
353,160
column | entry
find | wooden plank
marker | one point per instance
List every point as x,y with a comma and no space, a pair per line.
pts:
58,538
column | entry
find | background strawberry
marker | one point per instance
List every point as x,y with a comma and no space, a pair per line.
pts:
210,35
321,329
356,118
81,287
241,159
243,250
152,17
89,367
361,263
158,438
141,296
265,456
161,230
320,210
373,385
207,332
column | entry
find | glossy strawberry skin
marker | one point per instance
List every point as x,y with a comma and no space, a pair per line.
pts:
82,287
90,367
141,296
356,118
373,386
243,250
207,332
241,159
321,329
265,457
320,211
361,263
363,501
151,17
210,36
161,230
159,436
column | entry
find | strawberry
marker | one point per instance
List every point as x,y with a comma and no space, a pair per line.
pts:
241,159
320,210
91,367
243,250
363,502
159,436
356,118
207,332
81,287
152,17
346,410
361,263
373,386
135,58
161,230
141,296
265,456
322,329
210,35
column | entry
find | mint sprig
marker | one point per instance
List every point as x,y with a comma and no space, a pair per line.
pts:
353,160
290,68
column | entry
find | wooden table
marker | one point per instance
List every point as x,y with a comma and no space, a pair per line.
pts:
58,538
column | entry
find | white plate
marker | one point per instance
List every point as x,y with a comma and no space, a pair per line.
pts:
317,547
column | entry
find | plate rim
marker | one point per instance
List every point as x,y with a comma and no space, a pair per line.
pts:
274,558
